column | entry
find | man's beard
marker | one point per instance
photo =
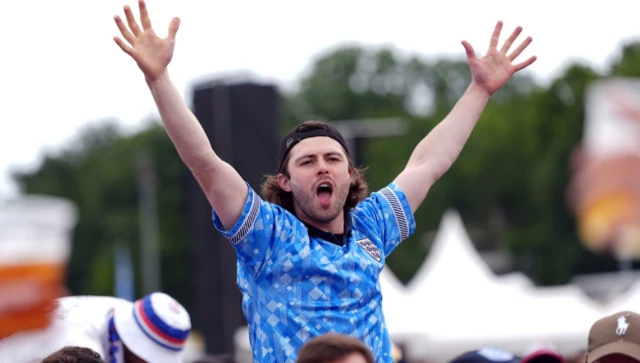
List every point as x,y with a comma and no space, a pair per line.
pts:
306,200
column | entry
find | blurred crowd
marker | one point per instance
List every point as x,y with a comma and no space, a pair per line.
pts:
155,329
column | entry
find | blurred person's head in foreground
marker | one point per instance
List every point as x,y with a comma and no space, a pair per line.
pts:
497,355
543,355
334,348
215,359
615,339
74,355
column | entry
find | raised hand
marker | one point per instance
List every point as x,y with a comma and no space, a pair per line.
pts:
151,53
492,71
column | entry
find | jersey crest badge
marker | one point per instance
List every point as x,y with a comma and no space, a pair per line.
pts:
371,248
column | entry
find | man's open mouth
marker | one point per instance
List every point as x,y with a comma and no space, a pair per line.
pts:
324,191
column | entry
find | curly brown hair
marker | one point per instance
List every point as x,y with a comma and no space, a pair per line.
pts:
72,354
273,193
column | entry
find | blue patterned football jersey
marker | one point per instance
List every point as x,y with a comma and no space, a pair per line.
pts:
297,285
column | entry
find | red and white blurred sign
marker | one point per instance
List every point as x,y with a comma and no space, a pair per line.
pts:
605,187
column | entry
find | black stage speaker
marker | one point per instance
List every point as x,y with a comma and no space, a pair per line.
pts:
242,123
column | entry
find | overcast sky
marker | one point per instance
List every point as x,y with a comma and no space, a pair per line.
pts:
61,69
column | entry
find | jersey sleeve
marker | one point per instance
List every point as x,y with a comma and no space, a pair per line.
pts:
387,215
258,231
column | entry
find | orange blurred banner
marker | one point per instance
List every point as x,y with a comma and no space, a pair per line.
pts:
605,188
35,246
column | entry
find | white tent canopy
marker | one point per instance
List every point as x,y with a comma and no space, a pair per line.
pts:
452,261
629,301
517,279
460,304
395,299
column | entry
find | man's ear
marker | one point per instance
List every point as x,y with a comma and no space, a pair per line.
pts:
284,183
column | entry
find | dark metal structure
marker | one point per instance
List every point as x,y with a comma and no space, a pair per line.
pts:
242,123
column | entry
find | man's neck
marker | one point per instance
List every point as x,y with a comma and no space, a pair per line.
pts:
336,226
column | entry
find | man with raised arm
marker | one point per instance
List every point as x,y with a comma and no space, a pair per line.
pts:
311,247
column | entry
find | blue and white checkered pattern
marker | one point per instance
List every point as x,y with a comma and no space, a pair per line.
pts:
296,287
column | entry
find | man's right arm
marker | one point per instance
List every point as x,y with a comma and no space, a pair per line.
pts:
225,189
223,186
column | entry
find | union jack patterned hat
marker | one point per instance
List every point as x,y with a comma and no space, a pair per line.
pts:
155,329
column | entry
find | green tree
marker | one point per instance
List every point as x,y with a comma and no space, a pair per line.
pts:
99,174
508,183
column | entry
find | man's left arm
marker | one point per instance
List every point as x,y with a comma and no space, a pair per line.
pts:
435,154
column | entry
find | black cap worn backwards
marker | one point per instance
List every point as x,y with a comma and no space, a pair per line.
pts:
294,136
